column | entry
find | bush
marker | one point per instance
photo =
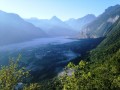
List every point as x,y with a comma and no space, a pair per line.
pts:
12,74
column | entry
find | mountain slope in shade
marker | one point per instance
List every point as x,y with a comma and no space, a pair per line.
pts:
14,29
110,45
78,24
100,26
53,26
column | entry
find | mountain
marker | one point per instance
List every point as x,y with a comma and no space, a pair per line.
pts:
57,22
78,24
110,45
53,26
101,68
14,29
101,25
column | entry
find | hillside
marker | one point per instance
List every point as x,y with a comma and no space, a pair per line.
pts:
100,26
110,45
101,70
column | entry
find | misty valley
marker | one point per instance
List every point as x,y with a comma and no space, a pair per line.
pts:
47,57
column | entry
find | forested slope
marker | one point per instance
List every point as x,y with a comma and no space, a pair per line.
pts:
102,72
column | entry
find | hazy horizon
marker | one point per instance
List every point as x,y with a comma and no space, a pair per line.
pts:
63,9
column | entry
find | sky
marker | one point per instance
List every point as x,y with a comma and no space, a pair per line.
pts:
63,9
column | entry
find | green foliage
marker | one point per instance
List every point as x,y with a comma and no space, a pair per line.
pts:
12,74
98,76
79,79
109,46
32,86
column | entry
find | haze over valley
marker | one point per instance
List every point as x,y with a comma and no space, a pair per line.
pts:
59,48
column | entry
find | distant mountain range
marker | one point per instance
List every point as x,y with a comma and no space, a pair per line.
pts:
88,26
57,27
53,27
14,29
78,24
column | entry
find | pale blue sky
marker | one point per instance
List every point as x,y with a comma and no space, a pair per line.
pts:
63,9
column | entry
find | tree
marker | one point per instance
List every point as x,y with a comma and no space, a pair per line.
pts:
12,74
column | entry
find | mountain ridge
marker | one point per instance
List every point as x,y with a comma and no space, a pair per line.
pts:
102,23
53,26
15,29
78,24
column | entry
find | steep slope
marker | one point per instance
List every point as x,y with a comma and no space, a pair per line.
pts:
103,69
14,29
100,26
110,45
78,24
53,26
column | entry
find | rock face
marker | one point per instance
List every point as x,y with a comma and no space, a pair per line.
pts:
102,24
14,29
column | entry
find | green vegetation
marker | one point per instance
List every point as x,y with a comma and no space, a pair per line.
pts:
12,74
102,72
94,76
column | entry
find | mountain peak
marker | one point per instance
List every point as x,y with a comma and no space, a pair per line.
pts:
54,18
88,16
